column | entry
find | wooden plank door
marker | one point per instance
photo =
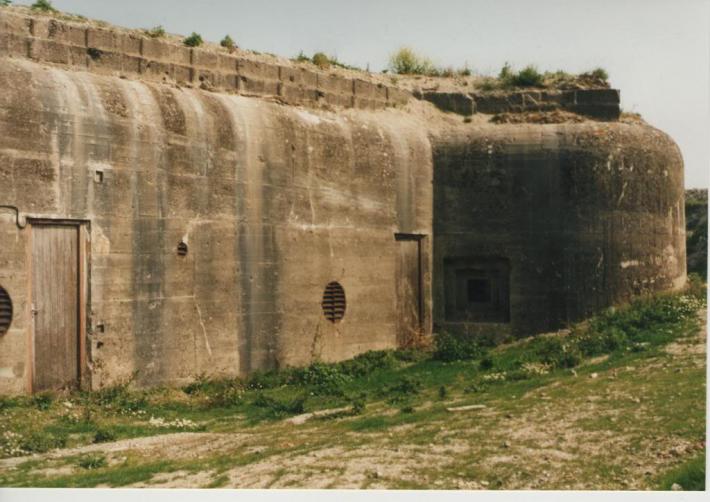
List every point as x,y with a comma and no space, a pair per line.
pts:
55,306
409,289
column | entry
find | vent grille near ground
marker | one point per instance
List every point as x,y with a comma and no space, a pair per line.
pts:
5,311
334,302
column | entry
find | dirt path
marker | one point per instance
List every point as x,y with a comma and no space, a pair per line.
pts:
170,445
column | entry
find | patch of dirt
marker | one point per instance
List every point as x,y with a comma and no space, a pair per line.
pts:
175,445
64,470
177,479
595,360
696,345
366,466
303,418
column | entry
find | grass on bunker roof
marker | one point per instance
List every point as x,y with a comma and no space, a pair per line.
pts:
616,403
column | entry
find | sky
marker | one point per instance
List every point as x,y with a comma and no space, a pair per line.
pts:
656,51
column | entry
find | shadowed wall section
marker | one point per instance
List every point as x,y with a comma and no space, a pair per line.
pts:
569,218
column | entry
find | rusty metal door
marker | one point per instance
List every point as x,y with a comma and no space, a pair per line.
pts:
409,288
55,306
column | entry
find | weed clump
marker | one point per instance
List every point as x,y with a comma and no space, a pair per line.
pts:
401,390
557,352
92,461
302,58
223,393
359,406
486,363
261,380
156,32
104,435
527,77
5,3
449,347
409,355
322,379
227,43
407,62
41,441
194,40
42,401
118,397
279,408
321,60
7,402
43,6
596,74
374,360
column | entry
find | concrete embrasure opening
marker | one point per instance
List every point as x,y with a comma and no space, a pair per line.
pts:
334,302
477,289
5,311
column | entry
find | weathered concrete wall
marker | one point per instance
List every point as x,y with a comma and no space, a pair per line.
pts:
601,104
124,53
274,202
587,215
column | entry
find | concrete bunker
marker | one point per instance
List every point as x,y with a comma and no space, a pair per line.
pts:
326,214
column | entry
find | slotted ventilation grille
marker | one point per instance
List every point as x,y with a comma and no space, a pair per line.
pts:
182,249
334,302
5,311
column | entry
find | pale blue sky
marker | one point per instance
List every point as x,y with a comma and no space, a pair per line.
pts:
657,52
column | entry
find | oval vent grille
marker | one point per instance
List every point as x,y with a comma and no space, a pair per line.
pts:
5,311
334,302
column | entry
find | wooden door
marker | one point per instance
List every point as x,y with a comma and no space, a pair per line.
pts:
409,289
55,306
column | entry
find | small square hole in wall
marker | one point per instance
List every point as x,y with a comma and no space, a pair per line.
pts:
98,176
182,249
477,289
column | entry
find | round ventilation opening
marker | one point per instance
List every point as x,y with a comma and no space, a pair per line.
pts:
5,311
334,302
